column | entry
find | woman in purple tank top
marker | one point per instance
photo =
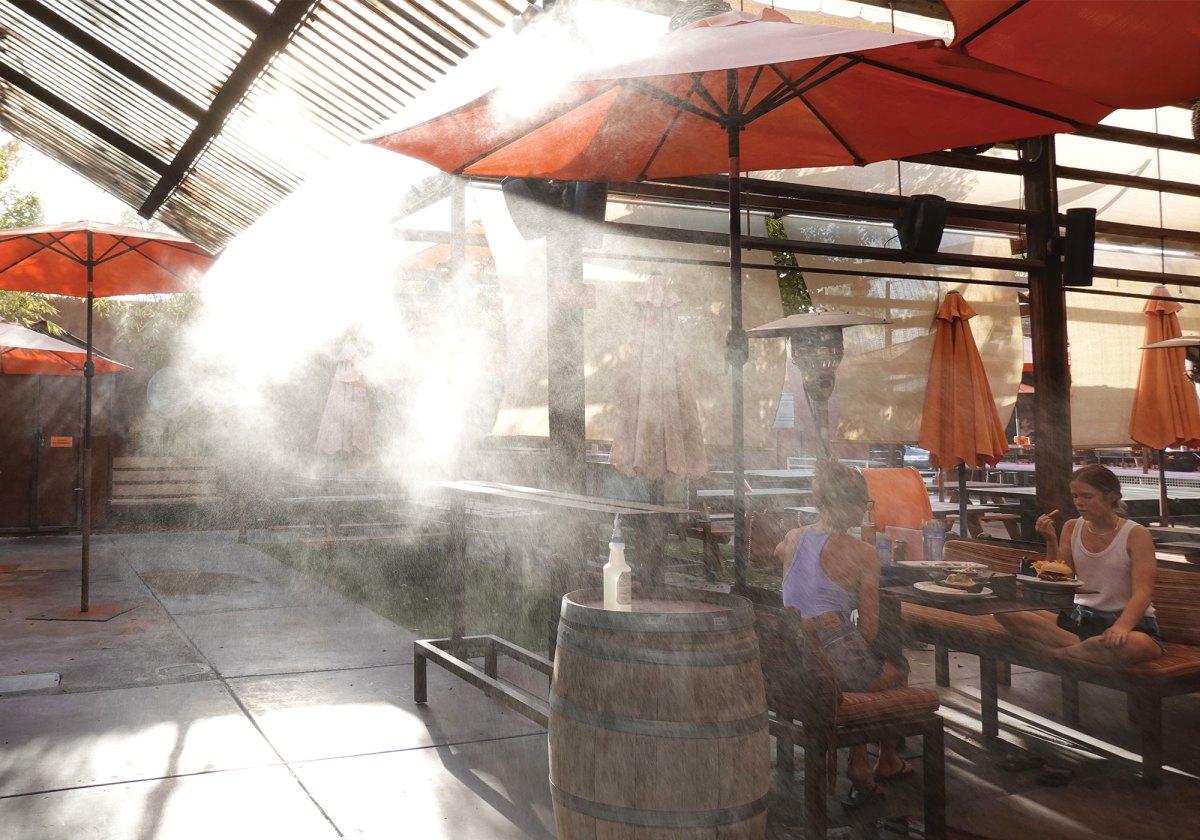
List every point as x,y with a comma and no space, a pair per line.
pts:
827,574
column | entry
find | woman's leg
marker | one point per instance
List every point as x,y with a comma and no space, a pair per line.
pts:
889,762
1040,627
1138,647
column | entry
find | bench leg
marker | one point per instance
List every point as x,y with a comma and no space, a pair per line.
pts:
1004,673
420,683
941,665
785,750
816,786
1150,713
1070,702
989,700
934,762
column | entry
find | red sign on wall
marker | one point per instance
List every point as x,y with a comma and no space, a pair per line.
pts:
61,441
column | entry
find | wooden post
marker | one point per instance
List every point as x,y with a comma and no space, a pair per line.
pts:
1048,326
565,358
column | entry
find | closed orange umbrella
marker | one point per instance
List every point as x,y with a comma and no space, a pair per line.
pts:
1165,410
959,423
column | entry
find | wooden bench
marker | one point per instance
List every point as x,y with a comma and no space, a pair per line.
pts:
807,707
158,481
1177,608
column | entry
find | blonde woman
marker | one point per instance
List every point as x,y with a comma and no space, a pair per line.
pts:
827,574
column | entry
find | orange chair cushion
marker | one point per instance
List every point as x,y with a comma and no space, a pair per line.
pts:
871,706
900,496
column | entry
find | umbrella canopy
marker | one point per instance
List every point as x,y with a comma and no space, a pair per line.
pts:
739,92
28,352
1127,55
658,421
1165,410
346,422
90,260
797,95
960,425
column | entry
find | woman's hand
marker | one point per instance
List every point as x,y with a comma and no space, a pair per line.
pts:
1114,637
1045,527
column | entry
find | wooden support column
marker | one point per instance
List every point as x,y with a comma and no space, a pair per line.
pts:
1048,325
565,302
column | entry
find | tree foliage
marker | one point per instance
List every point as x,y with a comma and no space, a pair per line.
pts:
19,209
793,291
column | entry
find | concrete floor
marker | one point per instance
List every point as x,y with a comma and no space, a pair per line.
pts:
238,698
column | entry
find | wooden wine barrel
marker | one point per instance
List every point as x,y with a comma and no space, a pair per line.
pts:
658,718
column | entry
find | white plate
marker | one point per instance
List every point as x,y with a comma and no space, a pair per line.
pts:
949,591
940,564
1038,583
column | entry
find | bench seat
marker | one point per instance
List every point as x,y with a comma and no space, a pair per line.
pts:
1177,671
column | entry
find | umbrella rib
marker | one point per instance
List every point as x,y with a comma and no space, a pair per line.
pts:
55,245
797,87
1000,100
662,141
716,115
962,45
547,120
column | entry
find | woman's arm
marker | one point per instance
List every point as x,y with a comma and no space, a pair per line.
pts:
786,550
868,590
1143,570
1056,550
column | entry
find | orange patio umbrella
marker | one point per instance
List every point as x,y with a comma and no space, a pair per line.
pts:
1125,54
26,352
1165,410
740,92
960,425
91,260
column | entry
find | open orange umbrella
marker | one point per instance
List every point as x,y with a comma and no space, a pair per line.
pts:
1127,55
739,92
91,260
1165,410
959,423
26,352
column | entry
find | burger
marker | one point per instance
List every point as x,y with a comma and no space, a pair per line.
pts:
1053,571
962,580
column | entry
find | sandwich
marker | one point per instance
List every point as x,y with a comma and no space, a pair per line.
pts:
1053,571
962,580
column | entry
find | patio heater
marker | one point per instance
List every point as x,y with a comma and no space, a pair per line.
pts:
816,347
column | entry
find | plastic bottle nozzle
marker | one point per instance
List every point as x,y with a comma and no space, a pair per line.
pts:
616,534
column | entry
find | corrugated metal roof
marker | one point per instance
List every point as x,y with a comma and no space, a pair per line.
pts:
206,113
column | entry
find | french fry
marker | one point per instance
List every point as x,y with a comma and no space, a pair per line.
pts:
1051,513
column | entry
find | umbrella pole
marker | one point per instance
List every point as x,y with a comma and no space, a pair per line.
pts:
1164,513
963,530
86,495
737,349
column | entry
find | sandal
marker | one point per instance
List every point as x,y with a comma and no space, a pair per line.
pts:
906,769
860,796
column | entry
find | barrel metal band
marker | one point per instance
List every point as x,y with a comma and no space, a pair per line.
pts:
649,623
613,651
688,730
658,819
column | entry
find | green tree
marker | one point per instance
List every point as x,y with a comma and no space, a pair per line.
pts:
793,291
19,209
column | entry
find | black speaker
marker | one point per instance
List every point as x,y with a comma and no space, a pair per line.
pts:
920,224
1079,246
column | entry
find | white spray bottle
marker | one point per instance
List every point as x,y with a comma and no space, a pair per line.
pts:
617,576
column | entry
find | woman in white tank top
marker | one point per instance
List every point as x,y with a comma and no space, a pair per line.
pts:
1114,558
